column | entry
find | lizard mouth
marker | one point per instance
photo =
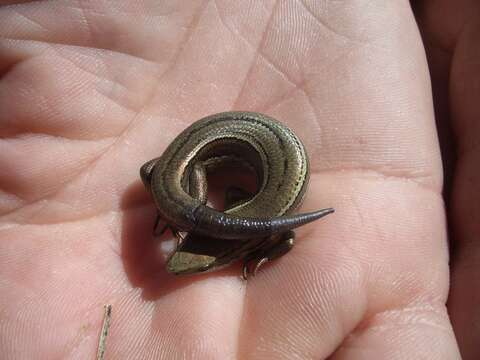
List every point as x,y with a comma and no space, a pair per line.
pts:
182,262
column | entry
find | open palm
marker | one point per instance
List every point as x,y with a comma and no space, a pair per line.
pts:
91,90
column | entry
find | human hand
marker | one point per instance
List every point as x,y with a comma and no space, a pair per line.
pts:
91,90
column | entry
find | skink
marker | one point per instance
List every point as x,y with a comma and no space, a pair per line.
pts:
255,228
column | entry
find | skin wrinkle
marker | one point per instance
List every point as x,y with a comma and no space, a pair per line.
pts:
131,124
277,68
389,326
331,64
78,7
259,53
357,343
285,96
121,10
322,303
50,45
435,305
326,26
106,95
24,135
410,306
360,215
382,324
17,133
52,195
17,11
146,205
66,44
383,174
89,30
87,22
89,45
57,50
233,31
303,85
30,20
22,132
296,86
256,55
84,69
12,197
430,305
278,71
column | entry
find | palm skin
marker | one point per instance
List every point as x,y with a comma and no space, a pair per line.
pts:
91,90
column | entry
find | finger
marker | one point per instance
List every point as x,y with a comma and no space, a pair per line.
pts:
453,40
465,201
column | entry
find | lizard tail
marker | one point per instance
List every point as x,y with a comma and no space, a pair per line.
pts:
213,223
